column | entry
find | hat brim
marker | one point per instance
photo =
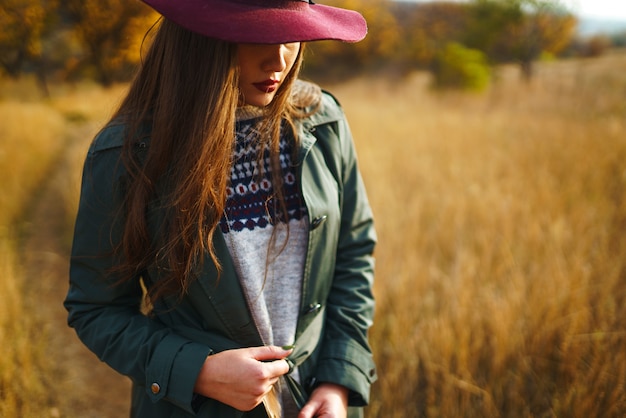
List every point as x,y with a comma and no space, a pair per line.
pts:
268,22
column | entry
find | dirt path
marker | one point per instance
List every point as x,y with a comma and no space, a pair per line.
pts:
80,385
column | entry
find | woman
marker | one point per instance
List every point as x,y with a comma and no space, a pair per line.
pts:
222,255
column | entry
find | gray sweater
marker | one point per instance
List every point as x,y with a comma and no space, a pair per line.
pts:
268,256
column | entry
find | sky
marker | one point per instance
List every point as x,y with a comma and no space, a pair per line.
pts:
605,9
602,9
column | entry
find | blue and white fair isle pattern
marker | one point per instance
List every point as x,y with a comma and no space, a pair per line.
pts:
250,204
270,270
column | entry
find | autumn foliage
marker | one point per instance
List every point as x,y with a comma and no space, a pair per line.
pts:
101,39
72,39
405,36
110,32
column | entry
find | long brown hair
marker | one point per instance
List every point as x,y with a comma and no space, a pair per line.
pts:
186,92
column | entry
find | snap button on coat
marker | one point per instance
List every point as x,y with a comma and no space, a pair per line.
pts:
155,388
318,221
312,308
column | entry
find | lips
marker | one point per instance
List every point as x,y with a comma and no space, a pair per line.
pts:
266,86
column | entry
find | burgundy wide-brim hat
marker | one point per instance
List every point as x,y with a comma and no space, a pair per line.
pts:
263,21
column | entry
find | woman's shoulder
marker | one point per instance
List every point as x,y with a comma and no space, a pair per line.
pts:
326,108
112,136
330,107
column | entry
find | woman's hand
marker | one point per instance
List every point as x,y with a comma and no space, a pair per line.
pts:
241,378
327,401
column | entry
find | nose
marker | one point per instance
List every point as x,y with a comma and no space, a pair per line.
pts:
275,58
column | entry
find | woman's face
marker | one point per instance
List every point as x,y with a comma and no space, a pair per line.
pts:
262,70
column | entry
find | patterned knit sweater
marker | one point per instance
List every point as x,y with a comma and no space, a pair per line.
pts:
269,257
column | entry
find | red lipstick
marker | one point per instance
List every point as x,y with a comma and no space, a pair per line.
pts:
266,86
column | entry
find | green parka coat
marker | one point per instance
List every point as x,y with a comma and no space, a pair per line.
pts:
164,352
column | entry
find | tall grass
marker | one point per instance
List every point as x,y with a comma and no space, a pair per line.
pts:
501,272
33,136
501,268
30,137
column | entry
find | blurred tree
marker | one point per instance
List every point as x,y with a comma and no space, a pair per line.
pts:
619,39
24,24
109,32
519,30
427,28
595,46
457,67
546,28
488,21
376,50
384,37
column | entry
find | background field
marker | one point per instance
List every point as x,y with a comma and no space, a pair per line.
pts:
501,268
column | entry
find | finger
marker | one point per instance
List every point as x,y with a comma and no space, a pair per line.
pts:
309,410
277,367
273,381
269,353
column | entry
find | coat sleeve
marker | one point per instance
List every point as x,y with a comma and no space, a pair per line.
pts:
345,356
106,313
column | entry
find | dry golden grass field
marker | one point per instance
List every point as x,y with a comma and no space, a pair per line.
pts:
501,266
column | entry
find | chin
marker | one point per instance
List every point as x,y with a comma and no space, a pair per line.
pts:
260,100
